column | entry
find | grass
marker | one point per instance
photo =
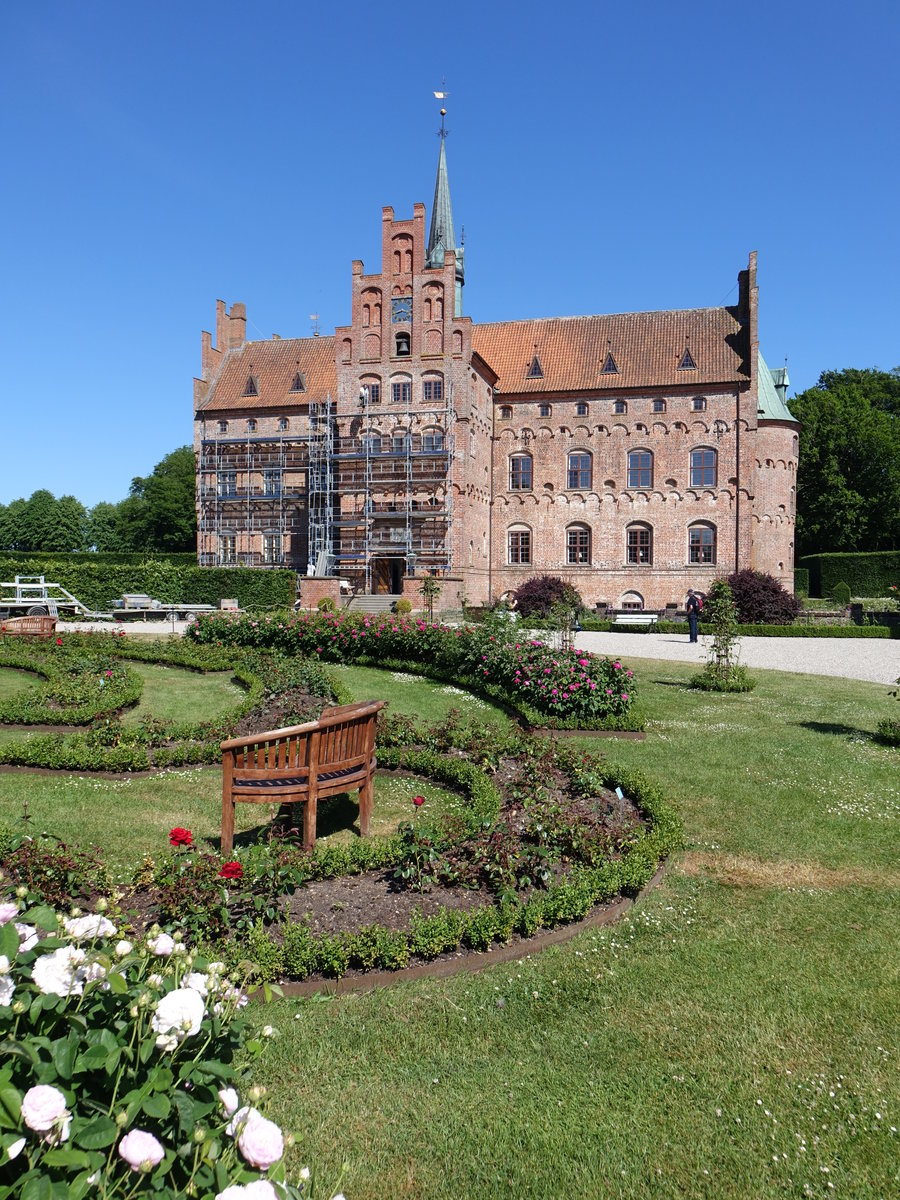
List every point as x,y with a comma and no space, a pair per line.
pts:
14,683
173,694
735,1036
423,699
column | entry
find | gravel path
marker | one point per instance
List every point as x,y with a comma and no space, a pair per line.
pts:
847,658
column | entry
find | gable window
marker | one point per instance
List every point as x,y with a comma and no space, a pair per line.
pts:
545,410
619,406
535,370
433,389
578,545
609,366
251,387
579,472
581,409
687,361
520,473
506,413
659,406
298,383
703,467
702,544
698,404
518,543
639,545
283,423
640,469
400,392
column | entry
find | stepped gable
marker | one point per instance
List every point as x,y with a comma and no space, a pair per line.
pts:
647,348
274,365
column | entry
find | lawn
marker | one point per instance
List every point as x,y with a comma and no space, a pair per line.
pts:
735,1036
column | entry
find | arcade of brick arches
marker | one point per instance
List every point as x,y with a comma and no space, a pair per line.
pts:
635,454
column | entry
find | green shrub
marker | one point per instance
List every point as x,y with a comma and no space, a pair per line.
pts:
801,581
403,607
326,604
841,594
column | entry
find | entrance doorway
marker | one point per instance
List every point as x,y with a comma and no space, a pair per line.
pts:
387,576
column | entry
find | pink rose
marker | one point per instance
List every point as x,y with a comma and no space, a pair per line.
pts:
260,1142
43,1107
141,1150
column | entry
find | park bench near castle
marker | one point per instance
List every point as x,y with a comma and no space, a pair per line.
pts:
33,627
635,618
303,763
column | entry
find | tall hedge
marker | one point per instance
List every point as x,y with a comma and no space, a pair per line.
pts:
801,581
98,584
27,558
866,574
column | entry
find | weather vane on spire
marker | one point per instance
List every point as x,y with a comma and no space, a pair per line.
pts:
442,95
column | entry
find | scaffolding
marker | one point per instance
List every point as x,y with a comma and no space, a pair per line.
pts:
252,501
394,487
320,488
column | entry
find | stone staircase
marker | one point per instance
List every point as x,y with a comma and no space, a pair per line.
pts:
372,604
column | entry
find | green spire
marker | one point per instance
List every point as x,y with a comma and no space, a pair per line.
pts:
441,236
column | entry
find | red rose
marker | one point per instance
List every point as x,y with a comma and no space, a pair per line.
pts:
181,837
59,641
418,801
232,870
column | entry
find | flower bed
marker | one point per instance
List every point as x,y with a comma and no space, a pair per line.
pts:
78,685
557,688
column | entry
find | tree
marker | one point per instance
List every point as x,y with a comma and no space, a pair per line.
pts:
103,527
848,482
159,512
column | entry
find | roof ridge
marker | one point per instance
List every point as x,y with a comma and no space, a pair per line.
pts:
641,312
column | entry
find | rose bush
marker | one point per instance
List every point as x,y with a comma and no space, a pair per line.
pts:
120,1074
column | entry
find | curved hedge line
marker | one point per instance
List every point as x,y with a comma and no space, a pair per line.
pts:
78,686
565,689
292,951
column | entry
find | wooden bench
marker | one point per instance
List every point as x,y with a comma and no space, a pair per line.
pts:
635,618
36,627
327,757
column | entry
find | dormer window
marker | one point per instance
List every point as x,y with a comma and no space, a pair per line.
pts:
298,384
535,370
251,387
687,361
609,365
401,345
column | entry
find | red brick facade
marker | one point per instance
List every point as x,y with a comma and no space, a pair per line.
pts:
635,455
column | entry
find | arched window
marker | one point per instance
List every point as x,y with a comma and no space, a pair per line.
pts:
640,469
578,545
401,390
401,345
369,390
639,545
632,601
702,545
579,470
426,309
520,473
703,467
432,441
505,413
793,507
518,545
367,314
399,441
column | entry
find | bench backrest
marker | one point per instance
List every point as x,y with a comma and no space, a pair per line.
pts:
30,626
342,736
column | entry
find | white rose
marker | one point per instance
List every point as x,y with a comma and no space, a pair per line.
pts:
167,1042
89,927
234,1192
44,1110
7,988
9,910
162,945
229,1100
141,1150
239,1119
123,948
60,973
197,982
28,937
180,1012
155,980
4,965
260,1189
260,1142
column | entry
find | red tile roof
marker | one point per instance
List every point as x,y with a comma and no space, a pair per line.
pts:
646,346
274,364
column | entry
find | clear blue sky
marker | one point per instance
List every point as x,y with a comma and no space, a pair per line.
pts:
603,158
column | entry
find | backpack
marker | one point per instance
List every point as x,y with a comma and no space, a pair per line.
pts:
699,604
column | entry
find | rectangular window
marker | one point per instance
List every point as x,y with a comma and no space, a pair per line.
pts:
702,545
581,409
399,443
374,390
271,547
400,392
272,481
703,468
640,469
639,545
578,546
519,546
228,547
579,471
372,445
223,427
520,474
434,389
545,410
228,483
659,406
432,443
698,404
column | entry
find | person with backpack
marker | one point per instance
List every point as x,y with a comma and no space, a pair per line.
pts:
693,608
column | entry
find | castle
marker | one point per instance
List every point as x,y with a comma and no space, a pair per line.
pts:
634,455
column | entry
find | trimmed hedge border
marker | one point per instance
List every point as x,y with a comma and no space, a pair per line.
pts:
299,954
792,631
